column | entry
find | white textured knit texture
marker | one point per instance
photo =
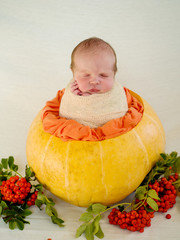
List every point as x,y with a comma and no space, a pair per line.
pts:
96,109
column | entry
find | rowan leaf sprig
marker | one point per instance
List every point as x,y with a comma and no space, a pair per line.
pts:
164,167
8,169
91,220
14,214
91,226
144,194
50,210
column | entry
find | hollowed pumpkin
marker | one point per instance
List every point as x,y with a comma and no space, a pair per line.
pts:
84,172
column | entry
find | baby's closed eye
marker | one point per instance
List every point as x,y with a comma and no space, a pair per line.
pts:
103,75
86,75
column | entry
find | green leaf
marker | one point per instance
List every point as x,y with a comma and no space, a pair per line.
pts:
148,209
1,209
86,217
177,184
24,221
141,189
50,211
153,194
44,199
29,172
49,201
15,167
38,203
89,232
173,154
21,218
96,224
12,224
159,163
26,212
152,204
164,155
167,173
11,162
3,204
81,229
7,219
89,209
8,212
100,233
39,187
4,162
97,208
20,224
54,211
140,192
177,165
160,169
41,197
57,221
140,196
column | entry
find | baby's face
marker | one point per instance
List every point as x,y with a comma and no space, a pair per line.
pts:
94,72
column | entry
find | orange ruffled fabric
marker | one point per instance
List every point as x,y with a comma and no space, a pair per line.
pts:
68,129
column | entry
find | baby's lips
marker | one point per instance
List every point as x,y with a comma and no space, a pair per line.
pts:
94,90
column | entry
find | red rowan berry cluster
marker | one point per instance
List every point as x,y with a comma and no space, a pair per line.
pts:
166,192
19,193
32,199
15,190
135,220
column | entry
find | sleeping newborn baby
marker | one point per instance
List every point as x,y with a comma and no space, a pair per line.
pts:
93,97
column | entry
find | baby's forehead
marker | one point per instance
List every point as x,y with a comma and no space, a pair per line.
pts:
93,53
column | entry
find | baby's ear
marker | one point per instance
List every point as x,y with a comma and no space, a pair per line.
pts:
71,67
72,71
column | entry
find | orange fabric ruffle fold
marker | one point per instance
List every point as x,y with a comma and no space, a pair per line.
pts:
68,129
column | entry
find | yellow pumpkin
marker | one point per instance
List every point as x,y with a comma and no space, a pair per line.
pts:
84,172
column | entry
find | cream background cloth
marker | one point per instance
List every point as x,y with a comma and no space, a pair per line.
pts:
96,109
36,41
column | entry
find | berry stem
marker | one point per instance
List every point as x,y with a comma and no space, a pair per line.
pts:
108,208
142,203
18,174
178,181
6,175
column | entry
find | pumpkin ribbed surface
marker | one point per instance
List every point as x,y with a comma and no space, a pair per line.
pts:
84,172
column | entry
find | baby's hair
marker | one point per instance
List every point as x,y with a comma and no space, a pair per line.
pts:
93,44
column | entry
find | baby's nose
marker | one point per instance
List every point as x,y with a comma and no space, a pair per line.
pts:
95,80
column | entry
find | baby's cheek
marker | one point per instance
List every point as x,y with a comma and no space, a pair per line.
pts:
107,86
83,85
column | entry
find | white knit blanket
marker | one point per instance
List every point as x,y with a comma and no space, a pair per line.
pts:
96,109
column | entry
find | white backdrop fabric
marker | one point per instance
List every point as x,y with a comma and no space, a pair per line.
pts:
36,41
